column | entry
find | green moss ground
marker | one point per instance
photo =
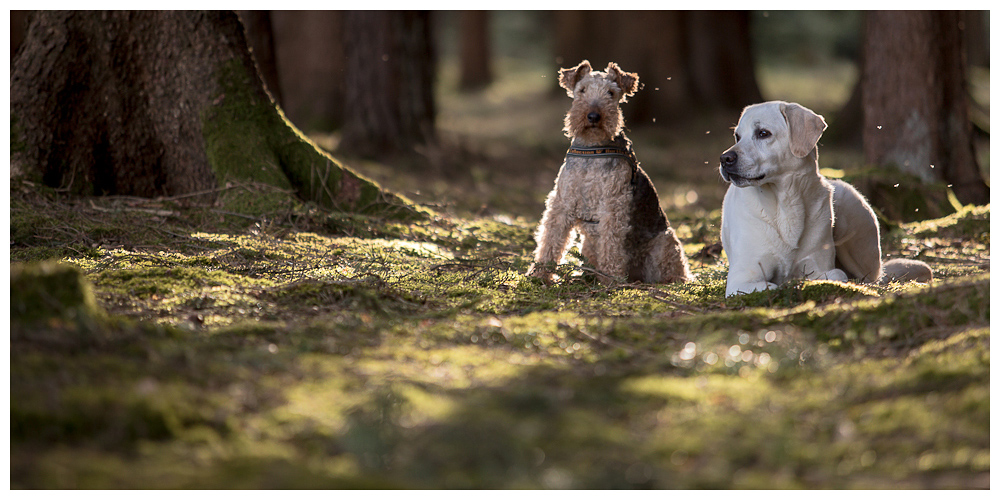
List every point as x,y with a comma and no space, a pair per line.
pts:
308,349
267,342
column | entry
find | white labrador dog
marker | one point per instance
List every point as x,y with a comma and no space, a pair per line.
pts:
778,220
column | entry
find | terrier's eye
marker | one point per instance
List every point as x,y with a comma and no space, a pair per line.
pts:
763,134
582,90
737,137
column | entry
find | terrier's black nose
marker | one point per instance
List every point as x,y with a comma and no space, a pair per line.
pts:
593,117
728,158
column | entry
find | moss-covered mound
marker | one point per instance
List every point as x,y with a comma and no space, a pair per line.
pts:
51,291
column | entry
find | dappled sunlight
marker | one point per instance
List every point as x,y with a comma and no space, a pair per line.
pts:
259,340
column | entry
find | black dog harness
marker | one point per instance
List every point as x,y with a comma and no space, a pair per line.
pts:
646,220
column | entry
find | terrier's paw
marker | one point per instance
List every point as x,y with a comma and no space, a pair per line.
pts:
544,271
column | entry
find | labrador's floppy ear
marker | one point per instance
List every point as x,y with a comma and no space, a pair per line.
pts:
804,128
569,77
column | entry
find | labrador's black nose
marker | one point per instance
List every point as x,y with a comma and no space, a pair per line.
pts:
728,158
593,117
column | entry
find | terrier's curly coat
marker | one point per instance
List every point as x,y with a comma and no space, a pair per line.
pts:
603,193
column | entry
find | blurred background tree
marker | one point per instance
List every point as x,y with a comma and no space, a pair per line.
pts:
372,84
682,61
389,91
260,37
474,50
311,67
915,99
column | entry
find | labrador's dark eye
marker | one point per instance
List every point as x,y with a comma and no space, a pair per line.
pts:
763,134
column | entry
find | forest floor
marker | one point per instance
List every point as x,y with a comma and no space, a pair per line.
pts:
266,343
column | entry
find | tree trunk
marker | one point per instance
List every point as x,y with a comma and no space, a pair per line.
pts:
721,68
646,43
682,60
260,36
160,103
18,23
846,126
976,35
474,49
310,52
390,79
915,100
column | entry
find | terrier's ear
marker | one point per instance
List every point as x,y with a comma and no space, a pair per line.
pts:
804,128
569,77
628,82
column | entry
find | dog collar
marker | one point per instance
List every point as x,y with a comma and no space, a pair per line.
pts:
612,151
599,151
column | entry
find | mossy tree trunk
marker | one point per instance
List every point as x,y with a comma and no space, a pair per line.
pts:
161,103
915,100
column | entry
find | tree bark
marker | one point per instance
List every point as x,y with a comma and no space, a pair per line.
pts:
389,105
161,103
915,100
260,36
311,67
647,43
846,126
721,68
976,35
474,49
682,60
18,24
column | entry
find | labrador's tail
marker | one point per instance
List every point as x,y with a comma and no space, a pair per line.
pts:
903,270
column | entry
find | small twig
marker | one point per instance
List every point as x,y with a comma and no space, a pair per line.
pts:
616,279
686,309
234,214
604,341
196,193
163,213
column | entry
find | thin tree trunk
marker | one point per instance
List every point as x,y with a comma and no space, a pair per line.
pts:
18,24
310,55
389,103
846,126
684,59
721,68
474,49
648,43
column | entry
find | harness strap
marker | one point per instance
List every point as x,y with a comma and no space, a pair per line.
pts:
609,152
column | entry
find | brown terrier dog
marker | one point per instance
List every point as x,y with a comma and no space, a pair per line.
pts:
603,193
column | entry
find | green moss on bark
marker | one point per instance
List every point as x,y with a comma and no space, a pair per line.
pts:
248,138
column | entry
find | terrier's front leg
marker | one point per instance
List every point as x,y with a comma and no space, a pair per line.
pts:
612,257
552,237
612,262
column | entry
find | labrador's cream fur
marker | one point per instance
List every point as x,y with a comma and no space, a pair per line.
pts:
782,220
